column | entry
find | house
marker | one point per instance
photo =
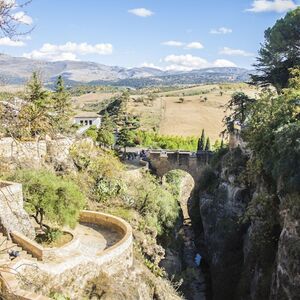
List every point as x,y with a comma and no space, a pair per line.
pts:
88,119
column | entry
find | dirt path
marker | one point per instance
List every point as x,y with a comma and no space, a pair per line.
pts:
197,285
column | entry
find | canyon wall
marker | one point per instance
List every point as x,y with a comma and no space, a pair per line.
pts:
251,234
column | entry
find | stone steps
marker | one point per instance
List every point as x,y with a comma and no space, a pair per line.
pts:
7,245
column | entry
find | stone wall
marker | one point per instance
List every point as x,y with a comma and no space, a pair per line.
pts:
58,151
27,154
13,217
71,274
33,154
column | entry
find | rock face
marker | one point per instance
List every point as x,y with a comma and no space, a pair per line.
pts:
221,211
251,235
286,277
13,217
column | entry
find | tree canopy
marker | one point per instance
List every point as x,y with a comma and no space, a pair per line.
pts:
50,198
280,52
272,133
239,105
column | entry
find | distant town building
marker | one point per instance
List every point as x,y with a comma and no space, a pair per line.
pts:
88,119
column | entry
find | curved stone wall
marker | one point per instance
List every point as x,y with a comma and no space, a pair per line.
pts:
114,259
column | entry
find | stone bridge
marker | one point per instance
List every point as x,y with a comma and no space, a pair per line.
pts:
161,162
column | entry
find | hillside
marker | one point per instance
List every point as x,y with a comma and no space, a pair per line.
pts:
17,70
178,111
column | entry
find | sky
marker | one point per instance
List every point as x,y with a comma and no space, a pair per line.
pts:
167,34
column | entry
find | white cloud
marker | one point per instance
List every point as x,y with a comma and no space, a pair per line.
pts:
279,6
194,45
221,30
173,43
189,62
235,52
54,56
21,17
150,65
68,51
141,12
222,63
6,41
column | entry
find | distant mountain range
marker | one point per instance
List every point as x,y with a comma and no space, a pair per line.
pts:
17,70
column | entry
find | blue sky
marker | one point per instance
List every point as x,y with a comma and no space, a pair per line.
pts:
170,34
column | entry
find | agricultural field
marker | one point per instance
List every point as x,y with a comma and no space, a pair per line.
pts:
179,111
186,111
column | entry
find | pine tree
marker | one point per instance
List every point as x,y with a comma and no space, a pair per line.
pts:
207,146
106,136
126,123
62,106
201,141
34,117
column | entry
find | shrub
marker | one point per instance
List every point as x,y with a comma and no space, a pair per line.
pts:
49,196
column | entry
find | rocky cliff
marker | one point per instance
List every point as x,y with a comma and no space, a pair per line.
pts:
251,233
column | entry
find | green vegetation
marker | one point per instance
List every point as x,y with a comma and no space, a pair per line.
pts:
50,199
91,89
43,112
280,52
201,141
272,133
61,107
239,107
156,141
105,135
100,176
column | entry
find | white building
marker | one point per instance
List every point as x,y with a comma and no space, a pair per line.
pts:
88,119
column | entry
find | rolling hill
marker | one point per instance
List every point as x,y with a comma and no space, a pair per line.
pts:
17,70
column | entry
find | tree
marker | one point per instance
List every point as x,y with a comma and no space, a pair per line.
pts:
50,198
272,133
9,23
216,145
126,133
34,117
201,141
106,135
207,145
280,52
126,123
238,106
62,106
222,144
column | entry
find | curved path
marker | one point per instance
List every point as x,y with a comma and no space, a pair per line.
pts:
101,243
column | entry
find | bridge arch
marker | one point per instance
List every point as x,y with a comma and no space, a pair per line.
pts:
162,162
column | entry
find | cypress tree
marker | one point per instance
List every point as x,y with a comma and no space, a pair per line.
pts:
222,144
201,141
207,146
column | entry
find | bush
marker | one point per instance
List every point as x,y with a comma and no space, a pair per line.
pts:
49,196
156,204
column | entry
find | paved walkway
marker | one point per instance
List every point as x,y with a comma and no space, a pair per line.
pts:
94,238
89,240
